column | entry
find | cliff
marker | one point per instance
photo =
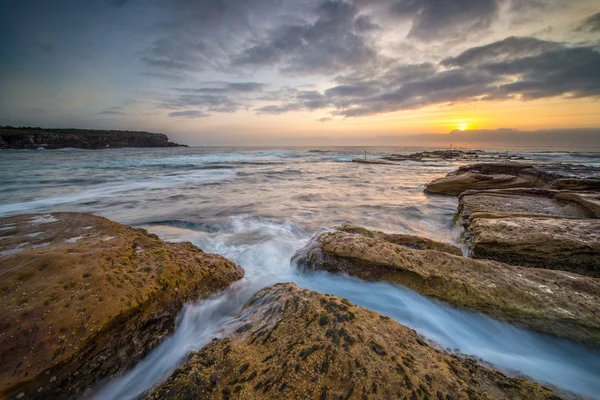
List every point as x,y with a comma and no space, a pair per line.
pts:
33,138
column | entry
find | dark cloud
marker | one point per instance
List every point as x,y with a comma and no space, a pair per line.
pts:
333,43
524,68
218,96
509,48
435,19
591,24
278,109
188,114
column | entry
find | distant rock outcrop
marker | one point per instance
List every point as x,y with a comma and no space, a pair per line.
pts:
83,298
290,343
560,303
34,138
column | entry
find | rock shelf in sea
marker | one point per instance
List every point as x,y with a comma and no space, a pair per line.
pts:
84,298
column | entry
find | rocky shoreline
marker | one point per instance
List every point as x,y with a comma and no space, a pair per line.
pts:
297,344
36,138
84,298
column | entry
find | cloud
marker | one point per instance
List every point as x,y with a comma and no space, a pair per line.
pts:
336,41
188,114
435,19
591,24
217,96
325,119
509,48
521,68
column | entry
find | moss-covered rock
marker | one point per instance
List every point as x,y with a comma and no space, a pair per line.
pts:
554,302
83,298
290,343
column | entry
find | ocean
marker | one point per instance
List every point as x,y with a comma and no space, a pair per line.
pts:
257,207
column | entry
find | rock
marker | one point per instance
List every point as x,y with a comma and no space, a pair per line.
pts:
554,302
83,298
554,243
504,175
33,138
411,241
532,202
456,184
534,228
293,343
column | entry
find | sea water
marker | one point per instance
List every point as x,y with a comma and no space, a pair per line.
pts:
257,206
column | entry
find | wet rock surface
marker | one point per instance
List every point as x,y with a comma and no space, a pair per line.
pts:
484,176
534,227
560,303
83,298
294,343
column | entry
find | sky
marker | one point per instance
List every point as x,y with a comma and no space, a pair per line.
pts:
307,72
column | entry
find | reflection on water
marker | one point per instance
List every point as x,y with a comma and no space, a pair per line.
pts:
257,207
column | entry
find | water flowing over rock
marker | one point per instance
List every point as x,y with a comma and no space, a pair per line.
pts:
563,304
83,298
294,343
34,138
516,175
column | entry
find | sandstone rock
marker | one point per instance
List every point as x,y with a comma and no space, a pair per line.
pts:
553,243
83,298
533,227
456,184
554,302
293,343
531,202
484,176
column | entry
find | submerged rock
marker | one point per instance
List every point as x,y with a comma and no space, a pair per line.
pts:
534,228
554,302
293,343
504,175
83,298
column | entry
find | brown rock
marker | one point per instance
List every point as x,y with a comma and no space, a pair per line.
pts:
293,343
554,243
483,176
534,228
555,302
83,298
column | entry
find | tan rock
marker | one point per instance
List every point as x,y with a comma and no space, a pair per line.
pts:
293,343
483,176
554,302
554,243
534,228
82,298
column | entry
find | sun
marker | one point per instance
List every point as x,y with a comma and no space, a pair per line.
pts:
463,127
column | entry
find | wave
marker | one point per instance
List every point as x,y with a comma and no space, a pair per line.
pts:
120,187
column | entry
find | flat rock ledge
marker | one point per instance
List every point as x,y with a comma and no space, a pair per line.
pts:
539,228
559,303
294,343
83,298
505,175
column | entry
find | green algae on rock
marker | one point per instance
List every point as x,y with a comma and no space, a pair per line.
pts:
298,344
555,302
83,298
